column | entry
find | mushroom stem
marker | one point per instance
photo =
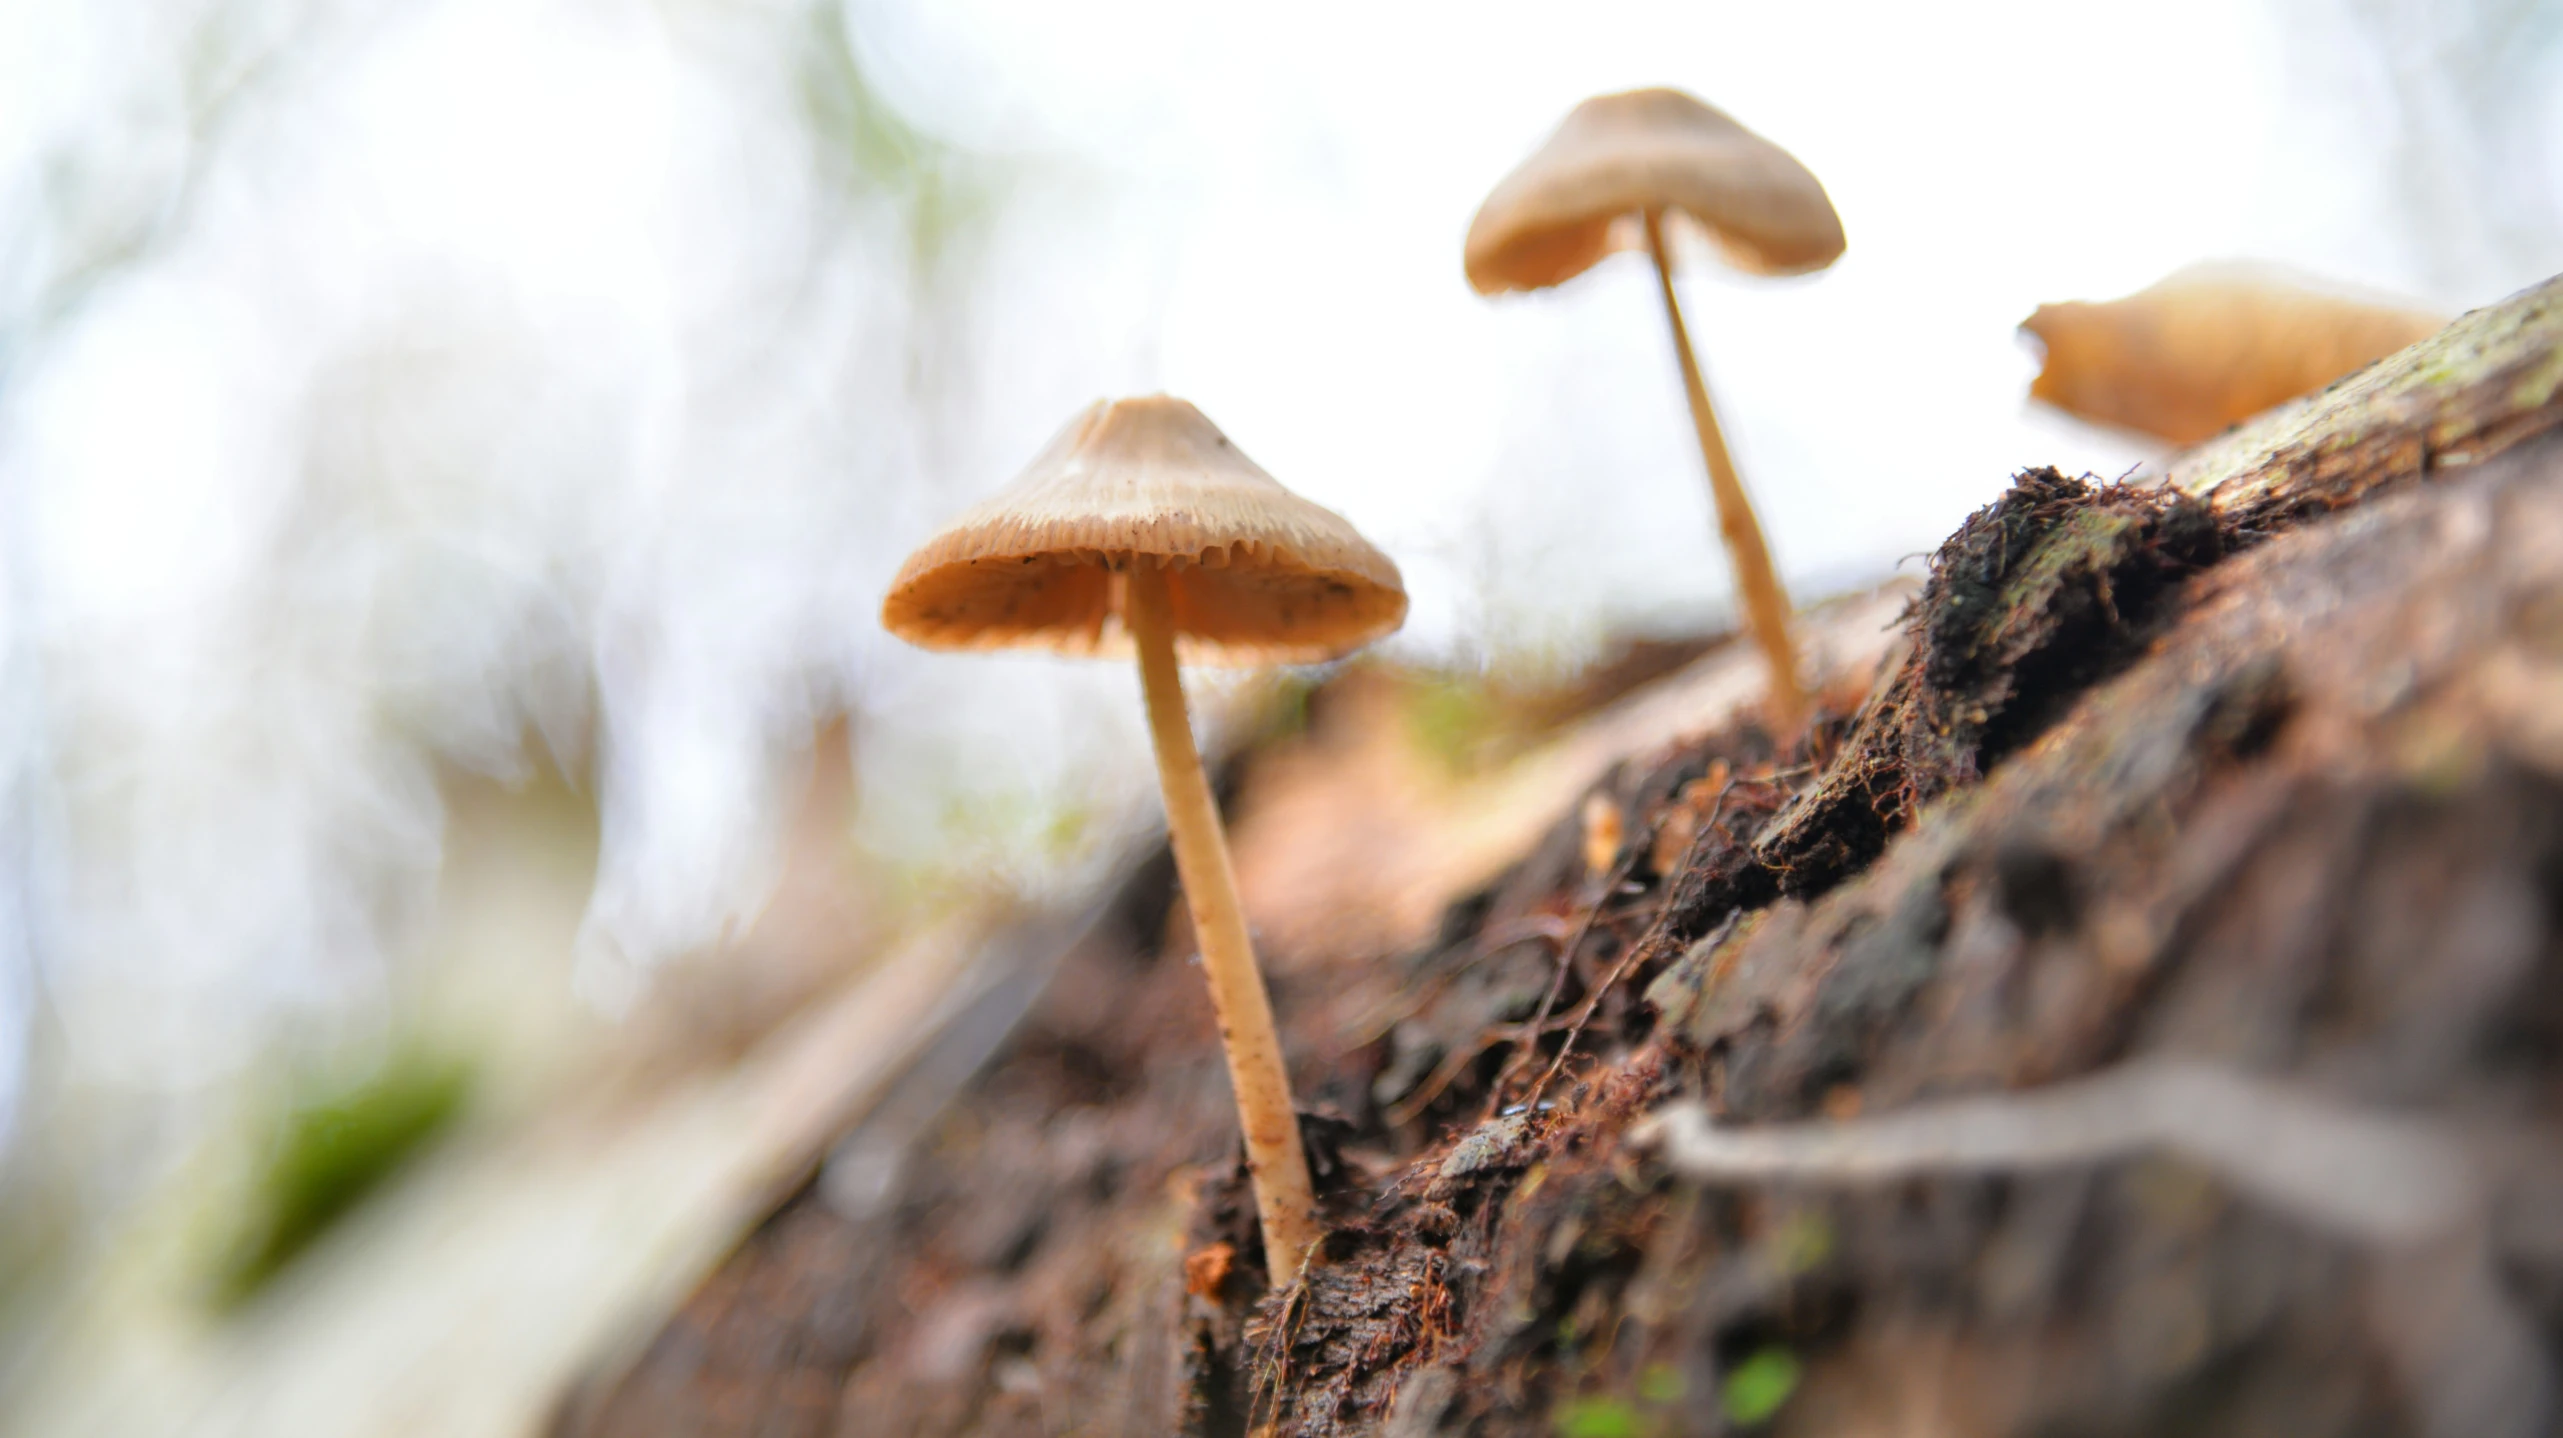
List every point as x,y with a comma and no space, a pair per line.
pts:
1766,604
1264,1110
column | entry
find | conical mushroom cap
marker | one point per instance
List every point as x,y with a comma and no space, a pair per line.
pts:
1257,575
2209,347
1560,212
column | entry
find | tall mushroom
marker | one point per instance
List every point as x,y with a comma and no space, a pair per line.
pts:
1605,181
1141,528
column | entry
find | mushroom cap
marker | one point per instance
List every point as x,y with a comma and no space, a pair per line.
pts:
1256,574
2211,346
1563,209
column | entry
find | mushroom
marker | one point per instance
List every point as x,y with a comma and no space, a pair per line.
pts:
1142,528
1615,169
2209,347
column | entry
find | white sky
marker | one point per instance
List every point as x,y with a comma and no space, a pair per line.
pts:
511,357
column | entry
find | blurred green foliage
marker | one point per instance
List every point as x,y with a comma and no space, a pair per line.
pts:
332,1150
1661,1383
1803,1243
1285,711
946,192
1597,1418
1759,1385
1454,719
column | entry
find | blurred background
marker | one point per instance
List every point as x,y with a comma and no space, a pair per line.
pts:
451,453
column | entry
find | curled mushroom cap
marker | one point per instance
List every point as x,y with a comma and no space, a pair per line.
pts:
1561,211
2209,347
1256,574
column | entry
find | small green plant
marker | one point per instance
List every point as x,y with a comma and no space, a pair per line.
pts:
1597,1418
1758,1386
332,1151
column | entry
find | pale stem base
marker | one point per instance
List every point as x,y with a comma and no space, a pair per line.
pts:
1766,604
1282,1196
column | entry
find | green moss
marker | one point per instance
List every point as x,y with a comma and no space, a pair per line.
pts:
1597,1418
332,1151
1661,1384
2512,352
2537,387
2089,541
1758,1386
2441,371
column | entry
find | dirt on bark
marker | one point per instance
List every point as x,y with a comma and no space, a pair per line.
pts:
2258,772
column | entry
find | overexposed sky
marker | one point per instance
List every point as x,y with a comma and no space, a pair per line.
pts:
380,382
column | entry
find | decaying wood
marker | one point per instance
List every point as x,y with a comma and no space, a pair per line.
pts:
1352,843
2485,383
2257,775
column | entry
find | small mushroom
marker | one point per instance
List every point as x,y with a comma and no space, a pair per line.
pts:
2209,347
1142,529
1607,180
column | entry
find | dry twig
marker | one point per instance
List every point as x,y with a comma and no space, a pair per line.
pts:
2360,1173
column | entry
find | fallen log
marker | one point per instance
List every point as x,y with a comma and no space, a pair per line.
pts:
1848,1111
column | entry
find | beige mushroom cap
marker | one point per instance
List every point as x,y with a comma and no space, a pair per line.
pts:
1562,210
2211,346
1256,574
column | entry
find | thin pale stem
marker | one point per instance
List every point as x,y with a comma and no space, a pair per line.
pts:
1282,1196
1766,604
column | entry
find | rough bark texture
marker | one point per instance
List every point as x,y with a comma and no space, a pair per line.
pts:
2263,769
